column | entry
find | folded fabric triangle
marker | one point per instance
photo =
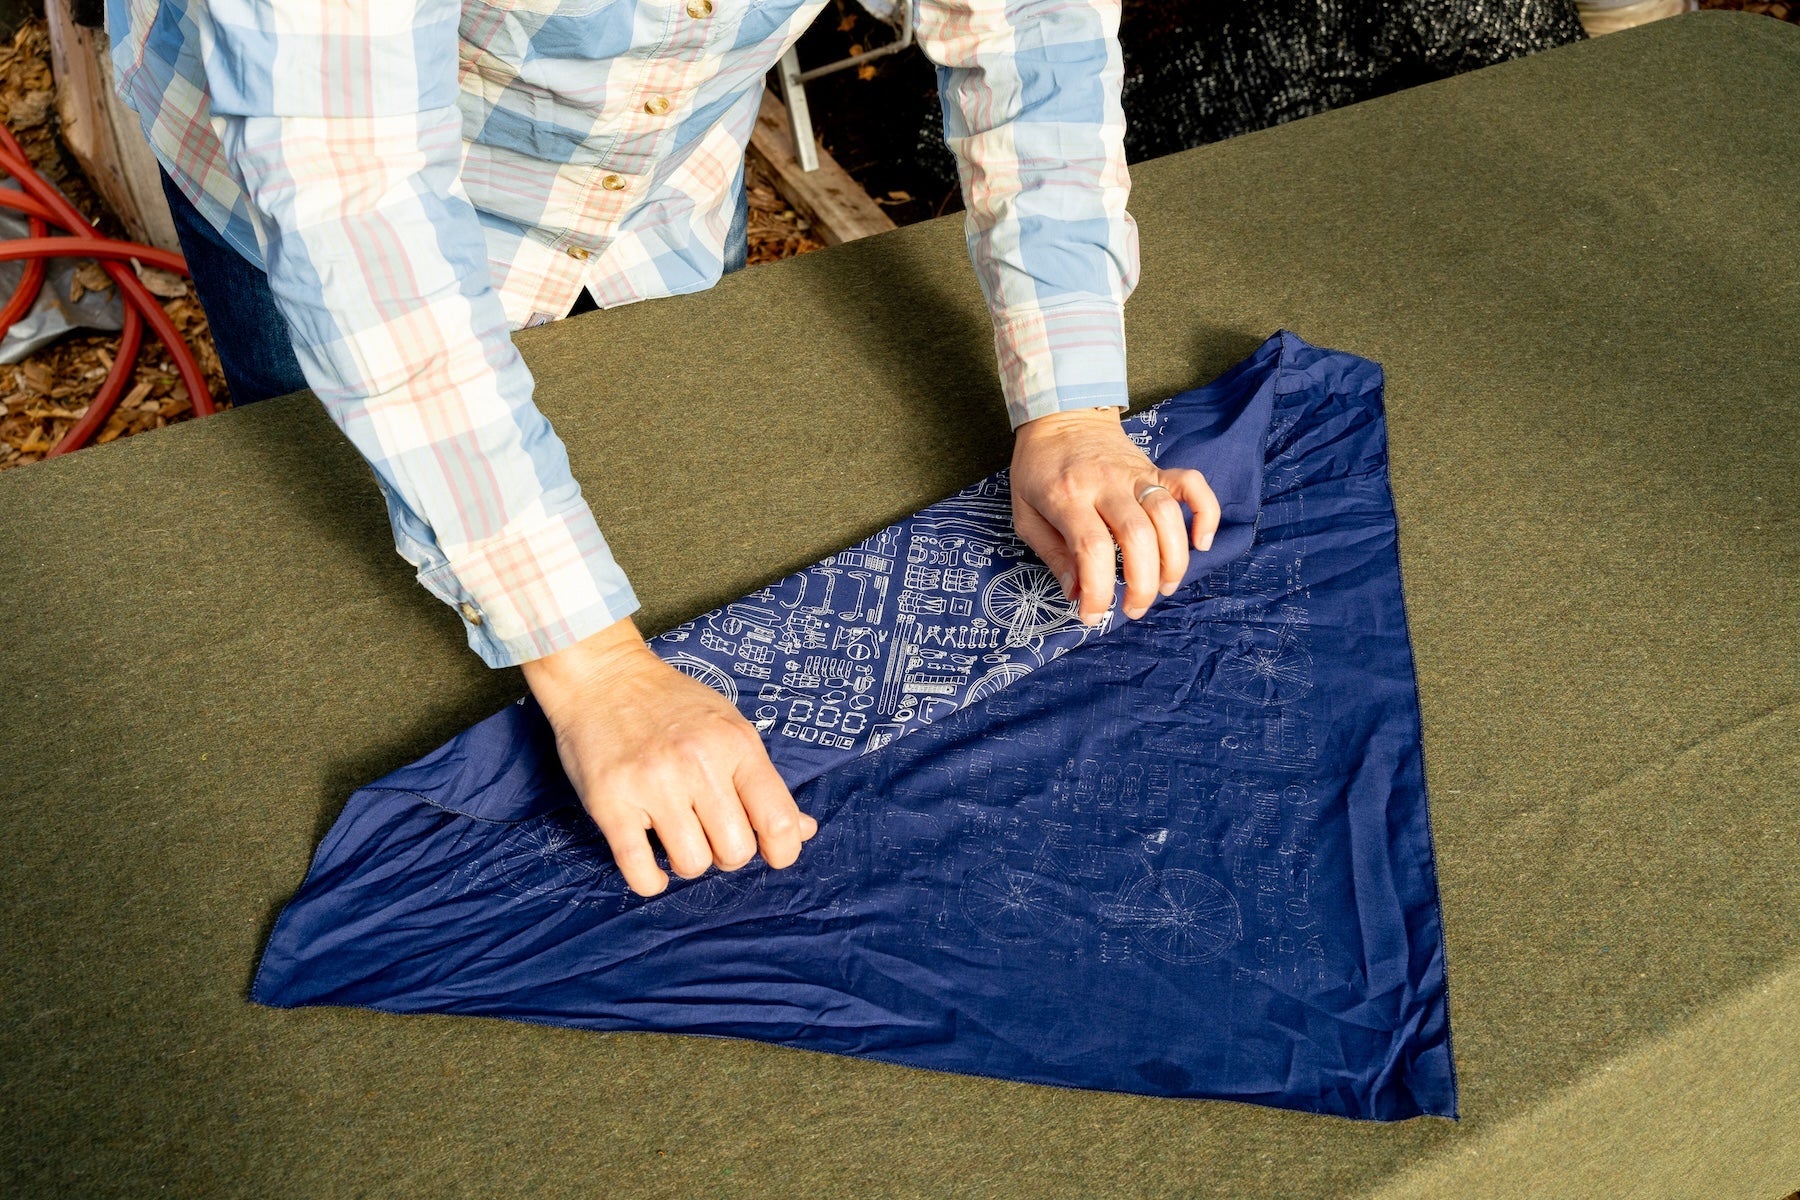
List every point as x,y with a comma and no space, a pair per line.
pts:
1184,856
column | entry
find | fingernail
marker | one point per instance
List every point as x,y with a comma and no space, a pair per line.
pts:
1206,542
1068,585
1134,614
1167,589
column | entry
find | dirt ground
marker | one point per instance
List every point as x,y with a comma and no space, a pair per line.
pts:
41,397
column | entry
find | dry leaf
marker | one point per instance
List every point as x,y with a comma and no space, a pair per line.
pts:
865,72
92,276
38,378
847,22
160,283
29,110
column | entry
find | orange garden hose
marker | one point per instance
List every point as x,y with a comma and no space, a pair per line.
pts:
44,207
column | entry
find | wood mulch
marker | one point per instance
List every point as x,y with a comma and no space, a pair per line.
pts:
776,230
1781,10
44,395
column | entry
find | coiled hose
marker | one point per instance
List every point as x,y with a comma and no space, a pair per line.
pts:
45,209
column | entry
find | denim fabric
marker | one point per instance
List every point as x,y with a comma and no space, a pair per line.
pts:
737,238
255,347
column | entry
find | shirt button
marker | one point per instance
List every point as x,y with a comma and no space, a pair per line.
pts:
700,9
656,106
580,252
471,614
613,183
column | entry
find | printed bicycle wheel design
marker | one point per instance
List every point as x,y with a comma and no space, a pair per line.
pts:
1180,916
712,676
1026,601
994,680
1265,666
560,854
1014,904
716,892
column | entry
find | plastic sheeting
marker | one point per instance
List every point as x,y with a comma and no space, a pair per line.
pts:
1185,856
1201,73
58,310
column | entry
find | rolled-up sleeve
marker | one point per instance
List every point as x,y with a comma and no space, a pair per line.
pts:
1031,108
340,121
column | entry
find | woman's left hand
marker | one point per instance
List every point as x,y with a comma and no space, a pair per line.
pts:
1085,496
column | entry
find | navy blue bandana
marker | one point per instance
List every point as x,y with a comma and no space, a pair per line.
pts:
1184,856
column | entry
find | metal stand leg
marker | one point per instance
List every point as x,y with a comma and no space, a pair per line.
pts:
793,94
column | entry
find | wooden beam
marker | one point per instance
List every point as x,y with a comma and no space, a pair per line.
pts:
837,206
102,133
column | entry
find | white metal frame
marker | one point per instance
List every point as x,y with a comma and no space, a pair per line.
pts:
794,81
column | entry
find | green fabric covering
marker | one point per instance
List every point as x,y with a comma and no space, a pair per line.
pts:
1579,271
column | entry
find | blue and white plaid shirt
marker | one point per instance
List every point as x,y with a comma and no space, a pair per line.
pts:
421,177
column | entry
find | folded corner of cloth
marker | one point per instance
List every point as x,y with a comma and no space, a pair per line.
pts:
1184,856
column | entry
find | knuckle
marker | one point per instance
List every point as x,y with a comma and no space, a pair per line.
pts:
687,745
1065,491
1092,543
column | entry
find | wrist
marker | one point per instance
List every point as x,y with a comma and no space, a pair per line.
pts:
587,663
1072,421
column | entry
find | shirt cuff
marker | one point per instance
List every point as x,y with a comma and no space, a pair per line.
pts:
535,591
1056,359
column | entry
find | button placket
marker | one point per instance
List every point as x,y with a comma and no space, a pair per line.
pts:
675,79
655,91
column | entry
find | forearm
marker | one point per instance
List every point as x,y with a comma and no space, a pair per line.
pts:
1031,108
399,335
340,124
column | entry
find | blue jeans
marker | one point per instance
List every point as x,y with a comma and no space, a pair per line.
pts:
256,349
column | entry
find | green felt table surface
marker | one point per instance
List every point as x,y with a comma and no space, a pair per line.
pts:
1582,273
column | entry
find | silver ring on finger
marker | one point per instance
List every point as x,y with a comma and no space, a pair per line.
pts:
1148,488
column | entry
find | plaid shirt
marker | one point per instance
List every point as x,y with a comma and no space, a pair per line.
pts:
420,178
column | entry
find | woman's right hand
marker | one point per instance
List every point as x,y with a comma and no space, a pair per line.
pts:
649,748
